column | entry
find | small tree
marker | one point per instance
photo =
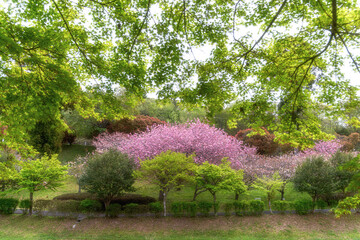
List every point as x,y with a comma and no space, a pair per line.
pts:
76,169
7,170
214,178
168,170
108,175
270,185
315,176
43,173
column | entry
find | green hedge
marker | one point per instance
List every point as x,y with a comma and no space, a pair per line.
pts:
8,205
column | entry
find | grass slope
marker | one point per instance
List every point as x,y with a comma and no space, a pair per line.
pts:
316,226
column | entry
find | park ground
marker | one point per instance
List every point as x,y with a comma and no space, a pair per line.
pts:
314,226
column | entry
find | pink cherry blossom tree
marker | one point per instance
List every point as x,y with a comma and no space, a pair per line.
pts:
207,142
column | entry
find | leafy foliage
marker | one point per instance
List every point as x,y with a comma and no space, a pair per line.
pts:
315,176
214,178
39,174
108,175
138,124
167,171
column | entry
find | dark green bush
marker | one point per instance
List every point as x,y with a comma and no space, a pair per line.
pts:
303,207
24,205
204,207
281,206
177,209
242,207
89,205
156,208
8,205
321,204
228,208
190,208
257,207
122,200
113,210
131,209
65,206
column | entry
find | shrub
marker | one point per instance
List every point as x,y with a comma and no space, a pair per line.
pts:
228,207
89,205
122,199
41,205
65,206
190,208
131,209
24,205
137,125
256,207
8,205
315,176
204,207
177,209
69,137
303,207
281,206
321,204
156,208
242,207
108,175
113,210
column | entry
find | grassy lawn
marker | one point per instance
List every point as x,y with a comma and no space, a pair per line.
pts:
70,152
316,226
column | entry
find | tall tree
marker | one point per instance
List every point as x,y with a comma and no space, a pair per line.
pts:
50,50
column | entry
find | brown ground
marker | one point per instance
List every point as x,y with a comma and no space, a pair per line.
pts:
315,222
275,223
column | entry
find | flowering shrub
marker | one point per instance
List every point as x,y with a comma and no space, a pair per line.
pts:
323,148
207,142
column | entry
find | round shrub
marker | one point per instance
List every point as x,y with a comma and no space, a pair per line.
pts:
303,207
8,205
24,205
89,205
113,210
257,207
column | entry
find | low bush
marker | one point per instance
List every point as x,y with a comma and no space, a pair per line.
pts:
256,207
321,204
41,205
242,207
89,205
156,208
24,205
113,210
122,200
8,205
281,206
177,209
190,208
65,206
228,208
131,209
303,207
204,207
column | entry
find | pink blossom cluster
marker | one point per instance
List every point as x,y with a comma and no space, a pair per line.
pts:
323,148
206,142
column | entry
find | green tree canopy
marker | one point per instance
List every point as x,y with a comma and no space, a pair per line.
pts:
50,51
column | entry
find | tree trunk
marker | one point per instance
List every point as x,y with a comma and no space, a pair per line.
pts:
31,203
237,196
3,187
270,206
79,189
107,204
164,202
215,210
161,196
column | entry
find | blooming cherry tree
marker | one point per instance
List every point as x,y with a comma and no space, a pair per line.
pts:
207,142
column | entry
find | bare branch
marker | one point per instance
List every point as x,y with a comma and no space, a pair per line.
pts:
350,55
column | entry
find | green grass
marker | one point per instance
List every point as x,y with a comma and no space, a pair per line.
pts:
247,228
70,152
